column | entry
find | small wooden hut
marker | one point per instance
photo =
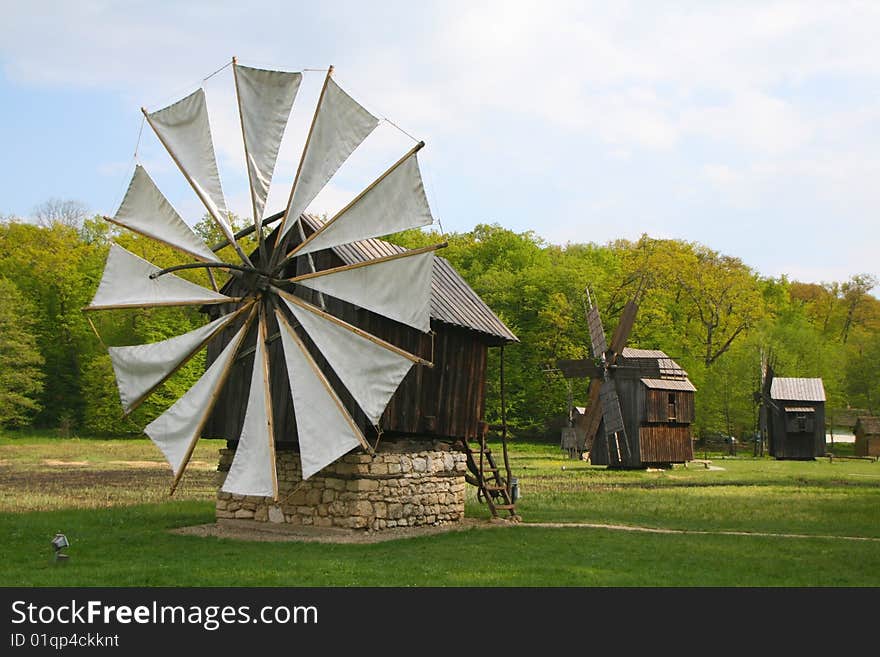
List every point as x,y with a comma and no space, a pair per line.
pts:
574,437
657,404
867,431
445,402
796,426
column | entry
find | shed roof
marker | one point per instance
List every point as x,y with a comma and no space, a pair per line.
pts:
669,384
847,417
453,301
667,366
868,424
797,389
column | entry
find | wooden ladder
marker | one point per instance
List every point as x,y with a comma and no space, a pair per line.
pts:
493,487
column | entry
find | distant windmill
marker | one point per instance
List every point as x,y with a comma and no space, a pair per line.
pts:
763,399
641,399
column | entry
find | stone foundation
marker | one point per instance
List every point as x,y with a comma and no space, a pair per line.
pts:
398,487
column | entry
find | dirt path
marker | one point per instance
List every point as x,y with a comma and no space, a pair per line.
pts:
659,530
244,530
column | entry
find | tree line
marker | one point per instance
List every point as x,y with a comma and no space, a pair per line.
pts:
709,311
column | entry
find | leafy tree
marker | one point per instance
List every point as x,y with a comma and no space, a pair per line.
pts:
21,379
57,272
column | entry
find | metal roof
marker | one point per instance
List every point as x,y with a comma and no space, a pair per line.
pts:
800,409
629,352
795,389
669,384
868,424
667,366
453,301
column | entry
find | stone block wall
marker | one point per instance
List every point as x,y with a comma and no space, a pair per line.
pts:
398,487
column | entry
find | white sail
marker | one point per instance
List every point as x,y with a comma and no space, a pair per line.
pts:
264,99
140,368
399,289
178,428
370,372
396,202
186,132
126,283
145,210
340,125
253,468
324,428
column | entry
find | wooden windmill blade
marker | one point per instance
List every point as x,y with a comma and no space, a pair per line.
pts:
597,333
613,418
580,369
624,328
594,410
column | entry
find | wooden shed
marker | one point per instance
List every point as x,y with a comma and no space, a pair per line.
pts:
574,437
445,402
867,431
657,404
796,426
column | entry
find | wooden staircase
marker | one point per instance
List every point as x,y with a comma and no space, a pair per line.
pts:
493,487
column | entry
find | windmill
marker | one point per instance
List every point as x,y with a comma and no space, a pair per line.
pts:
791,414
641,402
764,401
396,286
604,403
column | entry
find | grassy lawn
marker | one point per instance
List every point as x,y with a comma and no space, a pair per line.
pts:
110,498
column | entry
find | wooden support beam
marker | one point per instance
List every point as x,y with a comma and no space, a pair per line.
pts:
349,327
367,263
213,401
283,322
415,149
302,159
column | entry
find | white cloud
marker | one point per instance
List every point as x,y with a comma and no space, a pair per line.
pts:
628,117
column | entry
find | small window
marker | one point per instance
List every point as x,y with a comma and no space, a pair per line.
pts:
799,422
671,413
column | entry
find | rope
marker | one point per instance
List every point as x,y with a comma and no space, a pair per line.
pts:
176,94
137,146
433,189
390,122
226,65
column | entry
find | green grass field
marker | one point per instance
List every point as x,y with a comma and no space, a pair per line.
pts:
745,522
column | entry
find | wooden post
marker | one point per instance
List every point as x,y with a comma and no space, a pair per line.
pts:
349,327
367,263
267,392
282,321
176,247
198,190
188,357
213,401
283,226
165,304
258,220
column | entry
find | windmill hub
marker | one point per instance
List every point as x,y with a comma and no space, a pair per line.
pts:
256,280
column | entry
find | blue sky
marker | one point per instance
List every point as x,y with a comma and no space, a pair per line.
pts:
752,127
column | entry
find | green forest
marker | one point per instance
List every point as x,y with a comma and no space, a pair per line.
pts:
709,311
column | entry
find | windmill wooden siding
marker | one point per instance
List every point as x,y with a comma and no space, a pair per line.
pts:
867,431
796,426
446,401
657,403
